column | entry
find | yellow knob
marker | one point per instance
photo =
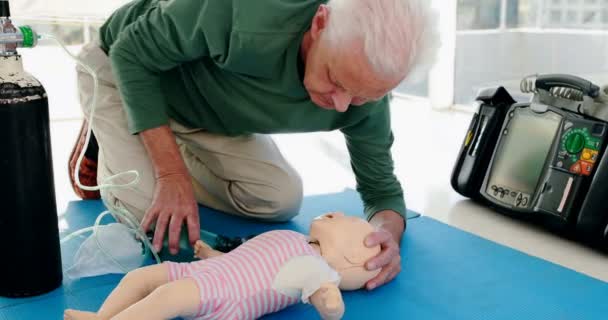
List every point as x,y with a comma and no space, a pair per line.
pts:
586,155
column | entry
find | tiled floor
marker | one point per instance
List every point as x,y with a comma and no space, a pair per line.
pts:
426,146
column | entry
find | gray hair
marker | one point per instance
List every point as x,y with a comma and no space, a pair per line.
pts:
399,36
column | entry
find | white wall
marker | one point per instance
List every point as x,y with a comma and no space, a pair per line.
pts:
504,58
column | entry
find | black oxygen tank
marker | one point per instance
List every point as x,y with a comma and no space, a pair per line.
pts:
30,255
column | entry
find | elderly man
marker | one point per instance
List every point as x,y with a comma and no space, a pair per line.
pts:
190,89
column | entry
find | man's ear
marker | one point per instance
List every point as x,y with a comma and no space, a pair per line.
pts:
319,21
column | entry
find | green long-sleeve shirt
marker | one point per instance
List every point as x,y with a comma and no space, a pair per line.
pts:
233,67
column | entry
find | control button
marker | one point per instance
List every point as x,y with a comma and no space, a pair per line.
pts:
589,155
494,187
575,143
576,168
586,168
560,164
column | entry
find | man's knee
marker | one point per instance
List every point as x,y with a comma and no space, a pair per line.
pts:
278,202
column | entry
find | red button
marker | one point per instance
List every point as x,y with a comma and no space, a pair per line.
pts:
586,168
576,168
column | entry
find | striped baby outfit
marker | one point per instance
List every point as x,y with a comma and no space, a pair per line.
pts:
242,284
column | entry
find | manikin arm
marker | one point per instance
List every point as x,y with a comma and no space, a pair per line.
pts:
328,301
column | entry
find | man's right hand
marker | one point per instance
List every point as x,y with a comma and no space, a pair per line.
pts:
173,204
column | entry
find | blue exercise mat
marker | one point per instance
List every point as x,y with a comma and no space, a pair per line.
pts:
89,293
447,274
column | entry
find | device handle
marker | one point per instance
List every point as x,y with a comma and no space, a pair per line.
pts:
549,81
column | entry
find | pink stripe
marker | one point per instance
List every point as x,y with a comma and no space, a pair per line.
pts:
275,301
252,280
230,312
283,303
294,244
273,252
200,282
272,304
271,243
265,296
281,250
256,275
255,261
289,239
225,311
177,271
263,301
284,251
171,272
299,241
234,285
252,307
266,264
245,285
229,264
248,289
237,283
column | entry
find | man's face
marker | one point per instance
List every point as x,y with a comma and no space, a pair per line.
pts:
337,77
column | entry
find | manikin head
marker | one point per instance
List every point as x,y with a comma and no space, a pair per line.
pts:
341,241
357,51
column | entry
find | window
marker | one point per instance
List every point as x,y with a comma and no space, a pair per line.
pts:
522,13
529,37
478,14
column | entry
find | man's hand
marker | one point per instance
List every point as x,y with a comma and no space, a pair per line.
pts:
173,201
390,230
173,204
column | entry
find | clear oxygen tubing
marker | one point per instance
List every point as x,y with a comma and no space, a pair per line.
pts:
117,212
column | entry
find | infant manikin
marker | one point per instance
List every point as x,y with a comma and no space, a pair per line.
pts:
266,274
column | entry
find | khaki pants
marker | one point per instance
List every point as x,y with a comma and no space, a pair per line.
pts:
244,175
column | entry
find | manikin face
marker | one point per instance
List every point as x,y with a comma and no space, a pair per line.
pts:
341,241
338,77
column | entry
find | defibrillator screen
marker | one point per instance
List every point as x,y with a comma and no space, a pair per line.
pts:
522,152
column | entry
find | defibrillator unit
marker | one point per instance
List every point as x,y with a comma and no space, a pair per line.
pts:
542,160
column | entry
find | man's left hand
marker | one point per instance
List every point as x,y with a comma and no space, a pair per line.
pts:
390,230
